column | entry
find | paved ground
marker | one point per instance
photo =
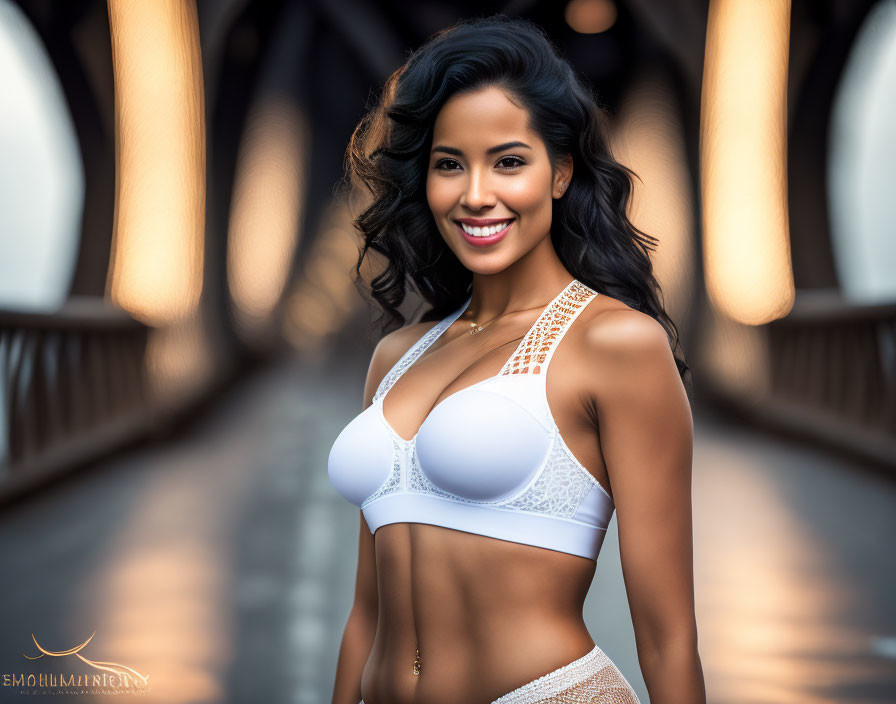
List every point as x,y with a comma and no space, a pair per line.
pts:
222,563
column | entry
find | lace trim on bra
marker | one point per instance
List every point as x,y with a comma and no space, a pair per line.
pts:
413,354
558,488
392,483
536,348
531,355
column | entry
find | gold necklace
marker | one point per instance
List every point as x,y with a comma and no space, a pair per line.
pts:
475,329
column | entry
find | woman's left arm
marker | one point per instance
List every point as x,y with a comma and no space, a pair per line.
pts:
646,435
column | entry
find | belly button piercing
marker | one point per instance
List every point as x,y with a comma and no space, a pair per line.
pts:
417,663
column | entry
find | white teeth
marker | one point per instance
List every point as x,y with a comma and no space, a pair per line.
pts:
484,231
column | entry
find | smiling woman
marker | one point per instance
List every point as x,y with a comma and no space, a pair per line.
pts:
496,444
483,173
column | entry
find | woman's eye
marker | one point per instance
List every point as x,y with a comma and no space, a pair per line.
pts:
510,162
446,164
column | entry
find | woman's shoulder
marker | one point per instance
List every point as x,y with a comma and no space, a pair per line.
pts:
610,332
613,327
621,347
391,348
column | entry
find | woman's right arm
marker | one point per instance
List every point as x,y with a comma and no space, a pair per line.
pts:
360,628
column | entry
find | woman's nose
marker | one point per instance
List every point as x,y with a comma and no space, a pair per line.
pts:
478,193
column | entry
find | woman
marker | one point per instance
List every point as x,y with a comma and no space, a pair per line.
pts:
485,483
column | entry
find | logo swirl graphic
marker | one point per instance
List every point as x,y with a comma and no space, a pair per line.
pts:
122,671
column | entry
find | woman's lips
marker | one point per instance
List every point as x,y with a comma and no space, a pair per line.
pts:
487,239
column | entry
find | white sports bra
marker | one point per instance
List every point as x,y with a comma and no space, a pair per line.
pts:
488,459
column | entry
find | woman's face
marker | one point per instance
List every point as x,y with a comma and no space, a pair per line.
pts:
489,183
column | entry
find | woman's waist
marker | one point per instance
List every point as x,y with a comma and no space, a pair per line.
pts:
477,615
450,666
482,638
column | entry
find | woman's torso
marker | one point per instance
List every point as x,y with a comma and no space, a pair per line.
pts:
486,615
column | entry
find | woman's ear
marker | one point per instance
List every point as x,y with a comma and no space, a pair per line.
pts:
562,176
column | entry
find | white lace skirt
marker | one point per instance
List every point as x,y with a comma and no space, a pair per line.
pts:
591,679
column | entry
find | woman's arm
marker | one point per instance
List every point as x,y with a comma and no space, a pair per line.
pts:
360,628
646,436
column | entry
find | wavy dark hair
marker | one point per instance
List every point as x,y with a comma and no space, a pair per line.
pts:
388,157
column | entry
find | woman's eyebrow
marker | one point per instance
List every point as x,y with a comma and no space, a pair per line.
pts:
490,150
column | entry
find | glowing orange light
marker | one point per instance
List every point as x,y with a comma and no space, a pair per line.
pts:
743,160
156,265
590,16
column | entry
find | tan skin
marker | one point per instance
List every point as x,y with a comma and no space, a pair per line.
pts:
488,615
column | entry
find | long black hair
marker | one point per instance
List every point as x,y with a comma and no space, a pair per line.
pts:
388,156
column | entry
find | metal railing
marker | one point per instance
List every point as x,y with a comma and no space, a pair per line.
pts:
72,386
833,373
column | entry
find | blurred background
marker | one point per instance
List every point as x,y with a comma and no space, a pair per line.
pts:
181,340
